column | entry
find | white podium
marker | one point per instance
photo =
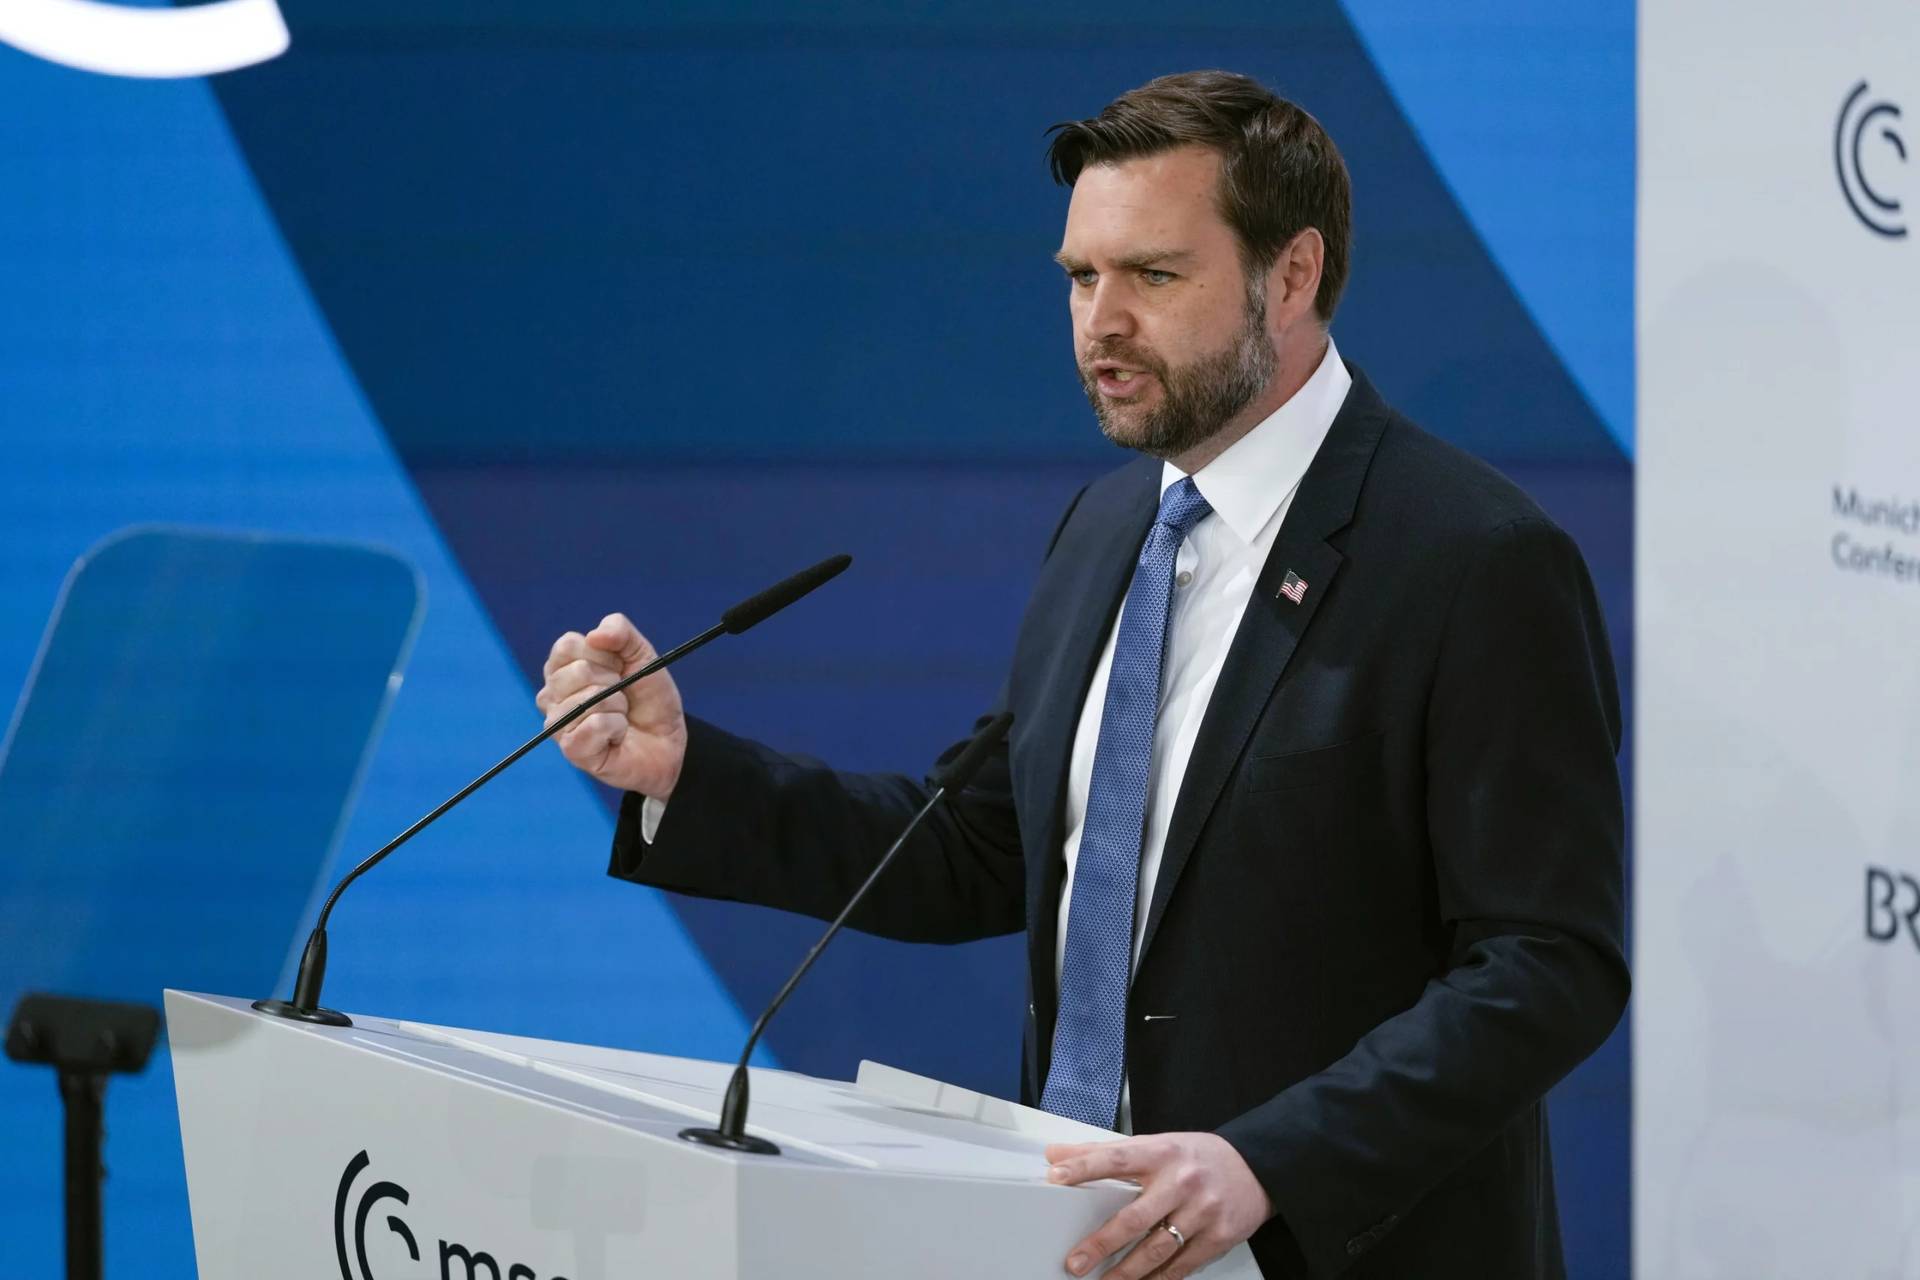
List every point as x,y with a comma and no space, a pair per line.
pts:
400,1151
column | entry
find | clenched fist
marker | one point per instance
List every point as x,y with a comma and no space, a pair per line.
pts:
637,739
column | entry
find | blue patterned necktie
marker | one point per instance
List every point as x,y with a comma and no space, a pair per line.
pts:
1089,1039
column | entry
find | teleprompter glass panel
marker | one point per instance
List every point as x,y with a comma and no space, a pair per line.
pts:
185,753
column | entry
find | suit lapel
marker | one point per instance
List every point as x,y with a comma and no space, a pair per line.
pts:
1271,628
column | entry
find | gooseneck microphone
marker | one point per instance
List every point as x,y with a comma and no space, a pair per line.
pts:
305,1005
732,1133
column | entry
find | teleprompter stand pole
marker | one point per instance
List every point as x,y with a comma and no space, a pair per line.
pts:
84,1093
84,1041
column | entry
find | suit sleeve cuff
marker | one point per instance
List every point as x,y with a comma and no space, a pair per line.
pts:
717,807
1304,1218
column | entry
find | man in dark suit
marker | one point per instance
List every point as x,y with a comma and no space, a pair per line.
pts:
1310,810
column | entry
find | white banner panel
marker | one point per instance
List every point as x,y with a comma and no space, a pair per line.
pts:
1777,895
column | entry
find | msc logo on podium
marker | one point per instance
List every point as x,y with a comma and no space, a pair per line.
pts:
473,1264
1870,129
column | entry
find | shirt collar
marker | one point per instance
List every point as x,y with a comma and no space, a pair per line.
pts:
1246,484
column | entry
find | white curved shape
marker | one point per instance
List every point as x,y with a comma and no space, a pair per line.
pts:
163,44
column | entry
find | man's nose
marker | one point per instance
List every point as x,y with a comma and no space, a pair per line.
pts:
1108,313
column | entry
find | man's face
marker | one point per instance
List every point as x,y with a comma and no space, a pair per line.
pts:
1170,340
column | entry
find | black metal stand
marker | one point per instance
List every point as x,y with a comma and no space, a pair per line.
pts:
84,1041
84,1093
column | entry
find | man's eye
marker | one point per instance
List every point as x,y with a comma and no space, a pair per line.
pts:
1154,276
1083,277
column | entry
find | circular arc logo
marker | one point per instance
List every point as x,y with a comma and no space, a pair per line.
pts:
374,1193
1879,212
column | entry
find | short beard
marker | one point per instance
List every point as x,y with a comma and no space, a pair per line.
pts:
1197,399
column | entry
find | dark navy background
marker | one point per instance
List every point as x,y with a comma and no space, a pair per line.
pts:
638,310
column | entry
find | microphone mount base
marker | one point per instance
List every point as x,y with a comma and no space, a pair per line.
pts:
287,1009
730,1142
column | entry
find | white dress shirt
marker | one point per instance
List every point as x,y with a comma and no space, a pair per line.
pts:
1249,487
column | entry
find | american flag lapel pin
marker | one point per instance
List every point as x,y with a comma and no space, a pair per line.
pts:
1293,588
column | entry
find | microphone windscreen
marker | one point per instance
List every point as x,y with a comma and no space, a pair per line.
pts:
957,775
751,612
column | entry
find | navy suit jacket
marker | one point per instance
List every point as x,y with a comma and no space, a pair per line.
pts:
1390,911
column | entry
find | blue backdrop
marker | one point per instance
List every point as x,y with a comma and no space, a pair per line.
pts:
581,310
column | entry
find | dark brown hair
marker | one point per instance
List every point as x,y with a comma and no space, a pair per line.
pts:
1279,174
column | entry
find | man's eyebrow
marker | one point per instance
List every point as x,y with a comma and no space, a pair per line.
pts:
1139,260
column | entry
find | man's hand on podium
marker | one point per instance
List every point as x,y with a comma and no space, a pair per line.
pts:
637,739
1198,1199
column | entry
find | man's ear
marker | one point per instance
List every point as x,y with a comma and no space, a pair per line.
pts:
1294,281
